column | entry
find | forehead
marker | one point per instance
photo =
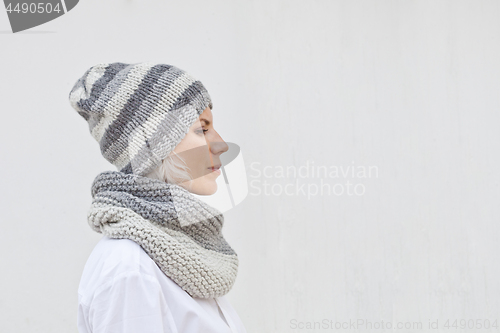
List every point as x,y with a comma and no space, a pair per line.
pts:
207,113
206,116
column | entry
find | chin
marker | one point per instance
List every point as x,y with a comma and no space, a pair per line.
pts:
207,188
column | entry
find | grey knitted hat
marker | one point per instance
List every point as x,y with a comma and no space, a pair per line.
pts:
138,113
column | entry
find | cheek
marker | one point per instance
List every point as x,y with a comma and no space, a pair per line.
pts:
193,149
190,144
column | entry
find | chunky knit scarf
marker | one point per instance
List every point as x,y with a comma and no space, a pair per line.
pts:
181,233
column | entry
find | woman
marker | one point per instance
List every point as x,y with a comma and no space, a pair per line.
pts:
162,264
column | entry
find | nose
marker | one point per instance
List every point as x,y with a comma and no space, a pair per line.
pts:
218,145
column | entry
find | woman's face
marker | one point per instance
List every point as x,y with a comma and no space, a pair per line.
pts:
201,149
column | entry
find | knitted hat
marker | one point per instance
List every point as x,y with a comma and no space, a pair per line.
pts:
138,112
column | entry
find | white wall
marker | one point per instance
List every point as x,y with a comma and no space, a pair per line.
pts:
409,87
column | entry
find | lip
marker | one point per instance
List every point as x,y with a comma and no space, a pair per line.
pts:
215,168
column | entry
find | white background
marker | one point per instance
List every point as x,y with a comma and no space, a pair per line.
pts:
411,87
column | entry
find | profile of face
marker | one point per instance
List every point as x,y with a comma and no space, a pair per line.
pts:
201,149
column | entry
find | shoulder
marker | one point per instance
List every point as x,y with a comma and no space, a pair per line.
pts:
112,259
114,256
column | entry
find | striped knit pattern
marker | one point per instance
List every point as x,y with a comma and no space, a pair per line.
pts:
181,233
138,113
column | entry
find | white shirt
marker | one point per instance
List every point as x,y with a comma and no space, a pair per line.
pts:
122,290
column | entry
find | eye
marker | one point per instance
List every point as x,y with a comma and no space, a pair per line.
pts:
200,131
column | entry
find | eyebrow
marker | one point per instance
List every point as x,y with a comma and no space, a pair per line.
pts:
206,121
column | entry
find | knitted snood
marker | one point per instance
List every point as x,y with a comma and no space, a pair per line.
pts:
181,233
